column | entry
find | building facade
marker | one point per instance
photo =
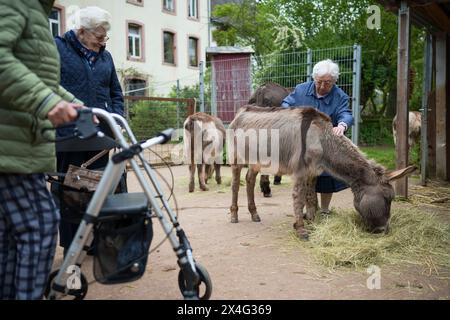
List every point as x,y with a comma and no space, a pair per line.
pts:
153,42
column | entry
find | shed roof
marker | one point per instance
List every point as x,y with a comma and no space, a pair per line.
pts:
432,15
228,49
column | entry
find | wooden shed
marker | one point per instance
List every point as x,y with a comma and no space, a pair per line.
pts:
231,83
434,17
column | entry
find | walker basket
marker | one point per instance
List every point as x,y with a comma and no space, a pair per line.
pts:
121,248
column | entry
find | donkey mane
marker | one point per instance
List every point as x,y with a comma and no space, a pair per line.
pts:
253,108
344,160
303,111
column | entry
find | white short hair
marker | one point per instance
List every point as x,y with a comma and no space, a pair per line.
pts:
91,18
325,67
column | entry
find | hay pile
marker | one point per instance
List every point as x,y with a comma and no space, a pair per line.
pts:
434,194
339,240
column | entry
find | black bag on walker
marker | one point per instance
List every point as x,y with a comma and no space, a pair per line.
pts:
121,248
74,202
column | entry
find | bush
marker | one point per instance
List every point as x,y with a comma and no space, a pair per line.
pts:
376,131
147,118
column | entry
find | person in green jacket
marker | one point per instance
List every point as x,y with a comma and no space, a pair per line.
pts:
30,99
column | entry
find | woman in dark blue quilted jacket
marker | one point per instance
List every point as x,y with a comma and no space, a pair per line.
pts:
88,72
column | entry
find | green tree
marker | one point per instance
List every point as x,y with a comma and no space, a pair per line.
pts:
246,25
283,26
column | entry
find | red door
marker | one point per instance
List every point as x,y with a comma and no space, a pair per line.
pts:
232,75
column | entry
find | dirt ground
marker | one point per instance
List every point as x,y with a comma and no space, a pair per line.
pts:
252,260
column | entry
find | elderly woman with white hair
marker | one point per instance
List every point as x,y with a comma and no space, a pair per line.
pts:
88,72
324,95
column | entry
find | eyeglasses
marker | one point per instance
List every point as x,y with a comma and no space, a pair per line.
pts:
326,82
100,38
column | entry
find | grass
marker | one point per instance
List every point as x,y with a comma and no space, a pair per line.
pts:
415,238
385,155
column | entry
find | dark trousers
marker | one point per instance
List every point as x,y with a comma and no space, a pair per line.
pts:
67,229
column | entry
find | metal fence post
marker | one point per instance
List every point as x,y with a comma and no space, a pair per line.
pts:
202,87
178,104
356,86
309,65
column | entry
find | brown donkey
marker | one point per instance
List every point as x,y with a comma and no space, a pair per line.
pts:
307,146
204,138
270,94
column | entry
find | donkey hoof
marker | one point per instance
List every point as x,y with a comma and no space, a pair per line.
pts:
267,194
204,188
256,218
219,180
234,219
302,234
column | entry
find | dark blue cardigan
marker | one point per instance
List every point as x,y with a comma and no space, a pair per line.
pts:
97,87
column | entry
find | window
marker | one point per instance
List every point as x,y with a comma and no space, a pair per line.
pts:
193,52
134,41
192,9
169,47
169,5
54,21
136,2
135,87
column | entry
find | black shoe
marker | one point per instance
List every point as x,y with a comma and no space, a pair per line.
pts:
277,180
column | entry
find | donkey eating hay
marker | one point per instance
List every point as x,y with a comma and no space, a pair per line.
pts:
307,146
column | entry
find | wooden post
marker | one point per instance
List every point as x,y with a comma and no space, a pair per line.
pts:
442,156
401,149
431,128
426,90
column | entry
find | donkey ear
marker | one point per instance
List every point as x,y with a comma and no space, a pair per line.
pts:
397,174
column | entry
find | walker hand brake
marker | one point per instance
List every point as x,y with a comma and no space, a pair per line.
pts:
85,127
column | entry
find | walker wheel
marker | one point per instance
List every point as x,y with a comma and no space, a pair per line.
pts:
77,294
203,291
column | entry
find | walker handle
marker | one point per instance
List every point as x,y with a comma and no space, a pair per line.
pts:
166,134
85,127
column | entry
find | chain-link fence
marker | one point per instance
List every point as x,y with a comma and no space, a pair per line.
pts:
148,116
234,77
